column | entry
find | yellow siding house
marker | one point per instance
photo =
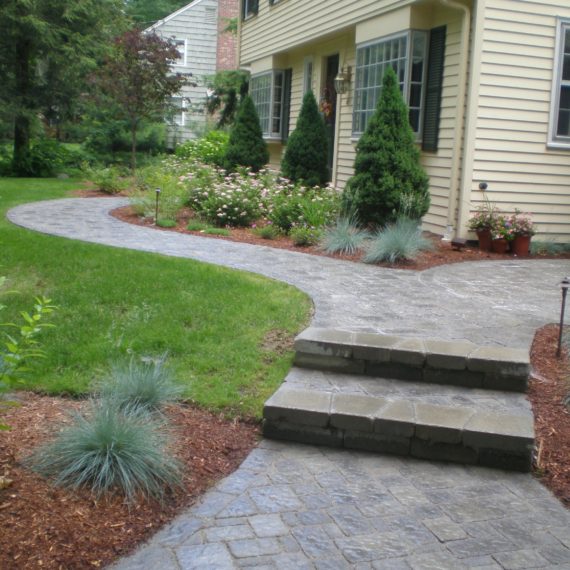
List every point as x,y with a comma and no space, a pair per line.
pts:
487,83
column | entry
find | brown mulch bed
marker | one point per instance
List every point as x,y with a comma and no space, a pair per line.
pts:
47,527
442,253
547,389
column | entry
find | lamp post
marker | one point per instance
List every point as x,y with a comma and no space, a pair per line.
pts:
564,284
156,207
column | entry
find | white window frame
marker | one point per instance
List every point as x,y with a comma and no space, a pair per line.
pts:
308,73
408,34
554,139
269,133
180,45
248,12
179,111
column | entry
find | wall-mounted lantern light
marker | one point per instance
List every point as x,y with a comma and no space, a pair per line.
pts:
342,80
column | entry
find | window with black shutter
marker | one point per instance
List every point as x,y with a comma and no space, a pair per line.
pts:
434,85
249,8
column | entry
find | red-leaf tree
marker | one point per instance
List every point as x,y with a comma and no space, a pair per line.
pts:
137,80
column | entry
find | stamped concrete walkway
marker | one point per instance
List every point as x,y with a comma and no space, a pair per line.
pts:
293,506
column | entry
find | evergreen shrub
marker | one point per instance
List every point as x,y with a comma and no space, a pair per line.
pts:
246,146
387,163
306,154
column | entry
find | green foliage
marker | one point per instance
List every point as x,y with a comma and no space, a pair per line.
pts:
387,163
110,448
217,232
267,232
196,226
306,154
147,12
229,88
163,223
401,241
109,180
210,149
344,237
304,236
135,383
246,146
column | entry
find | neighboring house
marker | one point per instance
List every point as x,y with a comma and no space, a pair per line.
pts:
197,30
487,82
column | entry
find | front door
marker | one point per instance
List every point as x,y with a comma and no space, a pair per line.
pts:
328,105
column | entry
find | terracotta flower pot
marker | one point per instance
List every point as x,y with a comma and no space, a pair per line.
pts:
520,246
484,237
500,245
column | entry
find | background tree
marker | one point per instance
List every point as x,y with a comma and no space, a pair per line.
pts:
246,146
387,170
146,12
228,89
47,49
137,80
306,155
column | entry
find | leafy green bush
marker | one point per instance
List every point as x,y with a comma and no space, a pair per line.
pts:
217,232
246,146
233,200
136,383
196,226
47,157
164,223
109,180
401,241
267,232
110,448
387,163
306,154
344,237
210,149
304,236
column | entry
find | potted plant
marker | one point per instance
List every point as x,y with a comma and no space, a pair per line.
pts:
502,235
483,223
522,229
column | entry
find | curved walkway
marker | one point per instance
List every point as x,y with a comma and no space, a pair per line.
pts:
488,302
292,506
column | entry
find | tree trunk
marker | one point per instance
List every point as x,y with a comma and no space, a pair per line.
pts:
23,49
133,146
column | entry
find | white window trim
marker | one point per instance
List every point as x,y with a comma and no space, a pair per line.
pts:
355,136
272,135
308,79
180,62
182,112
555,141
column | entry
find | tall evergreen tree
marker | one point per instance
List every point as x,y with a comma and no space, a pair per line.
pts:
246,146
44,45
306,155
387,170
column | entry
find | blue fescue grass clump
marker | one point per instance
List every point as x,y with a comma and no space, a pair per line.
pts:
401,241
344,237
142,384
110,449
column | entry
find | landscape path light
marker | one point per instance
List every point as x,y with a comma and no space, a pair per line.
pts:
564,284
156,207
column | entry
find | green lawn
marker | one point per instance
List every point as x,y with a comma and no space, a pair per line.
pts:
112,302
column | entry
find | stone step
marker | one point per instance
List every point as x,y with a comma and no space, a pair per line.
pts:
446,423
460,363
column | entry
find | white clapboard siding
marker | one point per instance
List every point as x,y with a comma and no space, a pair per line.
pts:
197,23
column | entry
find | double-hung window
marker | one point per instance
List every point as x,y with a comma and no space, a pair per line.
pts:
269,92
249,8
180,45
178,111
407,54
559,135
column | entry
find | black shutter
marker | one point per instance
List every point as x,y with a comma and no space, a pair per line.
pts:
287,76
434,86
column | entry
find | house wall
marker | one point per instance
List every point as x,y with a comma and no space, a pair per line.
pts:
370,20
508,122
198,25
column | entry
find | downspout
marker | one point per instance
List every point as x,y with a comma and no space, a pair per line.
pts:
456,192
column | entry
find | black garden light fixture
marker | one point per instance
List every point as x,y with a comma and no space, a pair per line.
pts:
564,284
156,207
